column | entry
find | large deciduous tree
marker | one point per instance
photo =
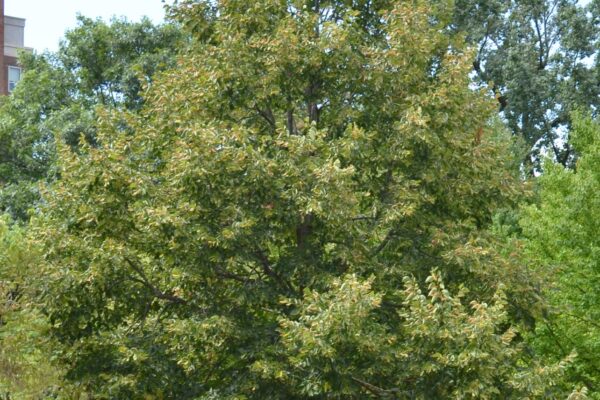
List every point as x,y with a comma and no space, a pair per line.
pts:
263,226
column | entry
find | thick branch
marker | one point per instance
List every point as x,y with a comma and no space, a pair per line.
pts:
303,230
384,242
156,292
267,114
541,51
376,390
268,270
228,275
291,123
502,100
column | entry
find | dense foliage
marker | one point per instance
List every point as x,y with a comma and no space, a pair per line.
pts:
538,57
25,371
97,64
562,235
253,230
304,199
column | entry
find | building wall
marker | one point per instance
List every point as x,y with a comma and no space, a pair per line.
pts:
3,67
14,35
12,40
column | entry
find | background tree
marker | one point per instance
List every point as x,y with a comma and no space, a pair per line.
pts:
539,57
562,241
98,63
248,232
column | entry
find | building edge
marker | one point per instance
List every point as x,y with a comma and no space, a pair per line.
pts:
3,66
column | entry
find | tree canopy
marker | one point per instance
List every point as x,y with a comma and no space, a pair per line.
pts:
305,199
539,60
262,226
562,241
98,63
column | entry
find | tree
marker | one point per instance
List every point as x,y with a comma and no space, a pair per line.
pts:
538,57
562,241
113,62
97,64
260,228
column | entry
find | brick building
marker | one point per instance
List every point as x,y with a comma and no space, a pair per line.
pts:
12,39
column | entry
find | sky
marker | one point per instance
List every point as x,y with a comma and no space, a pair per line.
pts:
47,20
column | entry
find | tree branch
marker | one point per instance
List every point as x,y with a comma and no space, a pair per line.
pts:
376,390
291,123
267,114
268,270
156,292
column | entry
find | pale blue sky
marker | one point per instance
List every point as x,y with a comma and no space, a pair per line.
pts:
47,20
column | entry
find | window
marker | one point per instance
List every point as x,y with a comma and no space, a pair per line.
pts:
14,76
